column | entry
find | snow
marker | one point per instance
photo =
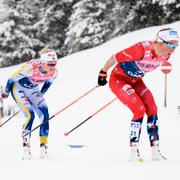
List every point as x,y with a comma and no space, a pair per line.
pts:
105,136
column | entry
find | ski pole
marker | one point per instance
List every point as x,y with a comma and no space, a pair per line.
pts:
9,118
67,133
76,100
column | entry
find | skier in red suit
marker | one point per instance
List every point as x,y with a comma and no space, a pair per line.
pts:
126,83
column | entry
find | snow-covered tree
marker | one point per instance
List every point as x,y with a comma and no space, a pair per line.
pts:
148,14
17,41
33,25
88,25
172,11
52,24
73,25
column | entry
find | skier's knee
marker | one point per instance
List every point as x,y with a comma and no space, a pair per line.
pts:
139,112
45,113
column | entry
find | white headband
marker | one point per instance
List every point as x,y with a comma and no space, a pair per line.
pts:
50,56
168,35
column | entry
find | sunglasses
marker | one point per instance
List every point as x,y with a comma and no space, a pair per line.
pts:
170,45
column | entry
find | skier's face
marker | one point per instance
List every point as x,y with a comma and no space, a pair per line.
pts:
166,47
49,67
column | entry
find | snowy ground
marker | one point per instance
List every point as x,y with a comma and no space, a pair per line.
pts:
105,136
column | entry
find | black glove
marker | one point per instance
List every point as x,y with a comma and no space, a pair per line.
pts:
102,78
4,95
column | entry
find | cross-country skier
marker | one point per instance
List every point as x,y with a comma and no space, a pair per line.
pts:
24,88
126,83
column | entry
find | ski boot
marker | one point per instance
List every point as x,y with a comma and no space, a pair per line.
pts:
26,152
134,154
43,151
156,154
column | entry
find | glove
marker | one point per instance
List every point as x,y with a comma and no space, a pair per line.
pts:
102,78
4,95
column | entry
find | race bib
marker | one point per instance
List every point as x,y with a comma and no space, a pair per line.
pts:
135,130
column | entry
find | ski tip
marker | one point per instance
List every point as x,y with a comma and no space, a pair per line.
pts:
65,134
76,146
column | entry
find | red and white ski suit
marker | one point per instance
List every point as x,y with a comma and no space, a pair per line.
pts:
126,78
127,84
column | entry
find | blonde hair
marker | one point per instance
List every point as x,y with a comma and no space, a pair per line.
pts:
46,50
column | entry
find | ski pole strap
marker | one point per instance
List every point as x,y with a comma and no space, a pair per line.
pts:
67,133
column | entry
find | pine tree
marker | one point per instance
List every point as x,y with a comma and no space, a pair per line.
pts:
17,41
88,26
172,12
52,24
73,25
31,26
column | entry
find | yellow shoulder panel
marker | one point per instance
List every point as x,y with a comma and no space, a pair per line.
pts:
22,69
